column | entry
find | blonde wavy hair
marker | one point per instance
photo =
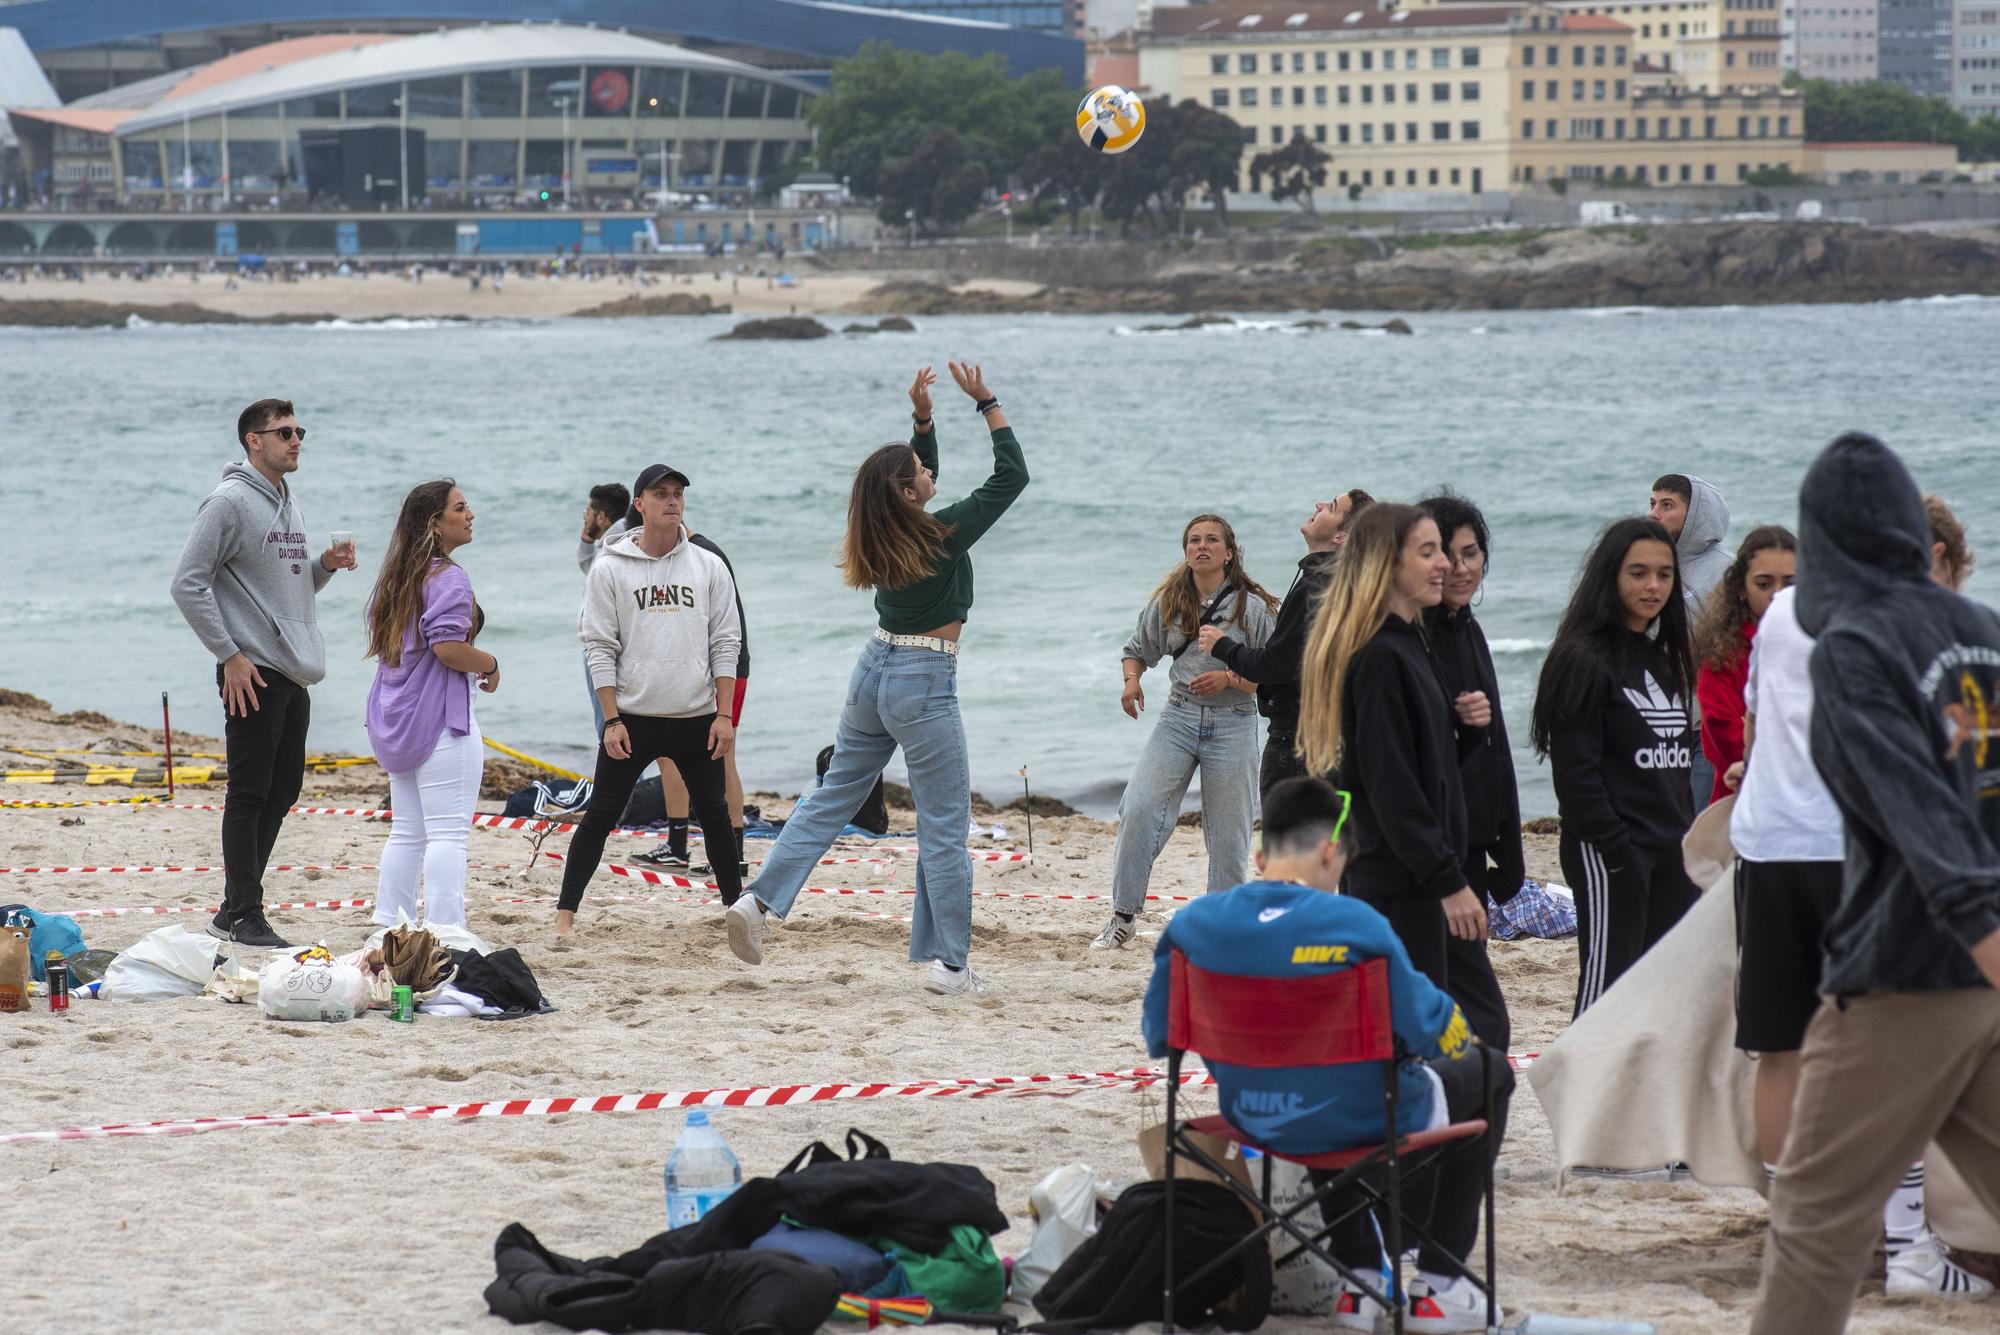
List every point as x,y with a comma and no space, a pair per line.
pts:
1353,609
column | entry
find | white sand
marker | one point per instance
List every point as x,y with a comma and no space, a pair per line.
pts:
339,1227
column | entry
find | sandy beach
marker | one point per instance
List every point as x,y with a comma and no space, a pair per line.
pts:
393,1224
440,296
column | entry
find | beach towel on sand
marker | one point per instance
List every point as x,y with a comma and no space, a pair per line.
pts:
1651,1074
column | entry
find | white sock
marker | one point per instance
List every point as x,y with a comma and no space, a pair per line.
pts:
1903,1217
1770,1172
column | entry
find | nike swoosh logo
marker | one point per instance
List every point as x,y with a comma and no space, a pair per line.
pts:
1272,915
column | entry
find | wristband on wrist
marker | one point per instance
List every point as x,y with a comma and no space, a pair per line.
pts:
614,720
985,406
920,421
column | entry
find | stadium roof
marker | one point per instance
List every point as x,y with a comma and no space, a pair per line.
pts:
305,66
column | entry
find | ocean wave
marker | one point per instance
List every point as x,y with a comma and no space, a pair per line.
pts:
1605,312
1949,299
1517,646
393,322
1230,326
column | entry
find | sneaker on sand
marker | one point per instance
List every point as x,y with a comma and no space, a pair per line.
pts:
663,857
219,929
1925,1269
1116,933
954,982
1459,1306
746,928
1355,1310
253,930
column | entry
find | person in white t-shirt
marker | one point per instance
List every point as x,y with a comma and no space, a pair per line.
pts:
1790,849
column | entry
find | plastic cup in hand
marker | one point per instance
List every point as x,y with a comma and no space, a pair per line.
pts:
343,545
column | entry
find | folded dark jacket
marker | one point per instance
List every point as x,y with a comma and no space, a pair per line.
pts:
723,1293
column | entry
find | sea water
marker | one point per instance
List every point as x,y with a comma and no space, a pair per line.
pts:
1554,421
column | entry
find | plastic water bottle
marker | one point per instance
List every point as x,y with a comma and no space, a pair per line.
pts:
701,1171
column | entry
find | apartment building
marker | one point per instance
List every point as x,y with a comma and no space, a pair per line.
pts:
1975,57
1462,97
1707,45
1831,39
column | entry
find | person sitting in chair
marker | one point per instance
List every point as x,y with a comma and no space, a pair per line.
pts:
1292,922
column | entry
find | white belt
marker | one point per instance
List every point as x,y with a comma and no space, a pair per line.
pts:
932,642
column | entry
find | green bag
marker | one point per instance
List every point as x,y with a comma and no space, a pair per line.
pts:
965,1277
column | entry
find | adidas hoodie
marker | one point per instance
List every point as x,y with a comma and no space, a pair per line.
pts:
1622,772
660,629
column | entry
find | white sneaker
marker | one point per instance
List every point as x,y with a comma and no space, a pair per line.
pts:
1355,1310
1458,1306
955,982
746,928
1925,1269
1116,933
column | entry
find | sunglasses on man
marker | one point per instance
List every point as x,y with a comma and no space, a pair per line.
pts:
285,433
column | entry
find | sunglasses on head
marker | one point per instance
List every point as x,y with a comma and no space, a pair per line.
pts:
284,433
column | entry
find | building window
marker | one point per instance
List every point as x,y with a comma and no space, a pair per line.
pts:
1368,134
1528,54
1576,90
1468,129
1319,62
1618,90
706,94
493,162
1527,129
1618,128
1319,95
1246,97
1687,172
1468,92
1708,127
1550,90
1409,92
1219,98
1389,133
1742,171
1440,130
1342,95
1763,127
1639,127
1277,62
1367,178
1597,90
1343,175
1343,60
1246,64
1527,90
1576,55
1708,171
1218,64
1440,57
1298,94
1367,60
1343,133
1663,128
1742,127
1618,55
428,97
1784,127
377,101
1319,134
1388,92
1554,57
1687,127
1441,92
1597,55
1454,176
1367,92
1298,62
659,93
1433,176
1548,129
1468,57
1277,134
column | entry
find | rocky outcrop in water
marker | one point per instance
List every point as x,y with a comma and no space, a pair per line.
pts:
780,327
671,303
114,314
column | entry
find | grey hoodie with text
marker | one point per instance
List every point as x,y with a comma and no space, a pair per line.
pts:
248,579
1703,559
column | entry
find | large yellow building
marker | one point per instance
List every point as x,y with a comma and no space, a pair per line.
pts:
1711,46
1462,97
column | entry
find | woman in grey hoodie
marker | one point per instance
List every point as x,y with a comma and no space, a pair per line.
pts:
1209,724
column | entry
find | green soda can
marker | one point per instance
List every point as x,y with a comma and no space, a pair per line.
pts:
403,1005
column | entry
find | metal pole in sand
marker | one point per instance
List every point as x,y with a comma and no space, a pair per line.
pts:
167,733
1028,805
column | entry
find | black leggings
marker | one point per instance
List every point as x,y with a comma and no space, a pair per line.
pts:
1621,913
267,764
683,742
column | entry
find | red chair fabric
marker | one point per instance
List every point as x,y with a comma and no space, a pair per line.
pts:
1324,1019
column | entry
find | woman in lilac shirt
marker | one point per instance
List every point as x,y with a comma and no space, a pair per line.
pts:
421,620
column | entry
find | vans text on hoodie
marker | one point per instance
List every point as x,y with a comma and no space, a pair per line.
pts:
247,579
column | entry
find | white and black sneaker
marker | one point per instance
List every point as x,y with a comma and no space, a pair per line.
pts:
1924,1268
218,927
664,857
1117,933
949,982
745,919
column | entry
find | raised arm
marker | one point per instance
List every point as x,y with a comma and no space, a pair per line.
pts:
970,518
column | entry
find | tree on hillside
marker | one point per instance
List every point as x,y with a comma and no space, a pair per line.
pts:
1185,147
1066,171
1877,112
1295,170
936,186
883,103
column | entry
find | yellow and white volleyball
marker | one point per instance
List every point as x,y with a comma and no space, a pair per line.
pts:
1110,119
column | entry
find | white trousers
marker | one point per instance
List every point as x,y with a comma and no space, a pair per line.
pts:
433,804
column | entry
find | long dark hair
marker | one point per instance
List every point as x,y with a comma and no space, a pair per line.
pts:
892,542
1718,631
399,586
1180,603
1582,661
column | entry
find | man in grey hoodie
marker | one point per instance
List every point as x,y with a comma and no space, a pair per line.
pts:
247,584
1694,512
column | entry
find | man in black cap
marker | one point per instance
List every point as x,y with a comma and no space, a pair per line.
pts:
662,633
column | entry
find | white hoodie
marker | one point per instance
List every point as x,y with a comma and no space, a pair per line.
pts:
660,630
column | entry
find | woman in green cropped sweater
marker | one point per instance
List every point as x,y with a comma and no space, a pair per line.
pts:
904,691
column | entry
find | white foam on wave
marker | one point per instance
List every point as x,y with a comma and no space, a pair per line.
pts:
1517,646
1605,312
1230,326
394,322
137,321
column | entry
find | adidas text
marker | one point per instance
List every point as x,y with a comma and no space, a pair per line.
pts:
1664,756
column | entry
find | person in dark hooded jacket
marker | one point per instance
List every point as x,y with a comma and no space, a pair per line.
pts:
1905,678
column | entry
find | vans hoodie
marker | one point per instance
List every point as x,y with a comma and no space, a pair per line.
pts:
248,579
660,629
1702,557
1906,676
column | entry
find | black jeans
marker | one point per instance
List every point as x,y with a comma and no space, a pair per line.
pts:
1281,762
1447,1196
267,764
684,743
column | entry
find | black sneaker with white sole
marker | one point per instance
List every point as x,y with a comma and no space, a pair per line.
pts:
218,927
663,857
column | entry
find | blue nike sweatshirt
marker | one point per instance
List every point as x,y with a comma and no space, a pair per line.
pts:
1280,929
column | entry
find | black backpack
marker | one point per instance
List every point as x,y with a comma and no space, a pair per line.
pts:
874,814
1114,1280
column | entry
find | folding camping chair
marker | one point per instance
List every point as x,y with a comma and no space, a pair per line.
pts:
1327,1019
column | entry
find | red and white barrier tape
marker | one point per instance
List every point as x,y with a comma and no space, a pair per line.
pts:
147,910
170,871
756,1096
689,883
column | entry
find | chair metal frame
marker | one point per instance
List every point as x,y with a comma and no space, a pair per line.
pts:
1347,1012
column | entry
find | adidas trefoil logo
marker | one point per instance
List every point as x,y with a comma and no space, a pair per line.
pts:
1668,720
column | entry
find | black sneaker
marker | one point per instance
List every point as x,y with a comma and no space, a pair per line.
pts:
253,930
663,857
218,927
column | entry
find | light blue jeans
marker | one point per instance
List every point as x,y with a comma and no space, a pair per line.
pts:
897,697
1190,736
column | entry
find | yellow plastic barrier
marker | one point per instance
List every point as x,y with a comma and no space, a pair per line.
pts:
527,759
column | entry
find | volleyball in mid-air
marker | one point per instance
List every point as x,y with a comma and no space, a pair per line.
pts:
1110,119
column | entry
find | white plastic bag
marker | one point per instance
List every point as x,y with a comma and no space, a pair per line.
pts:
1065,1208
1304,1285
311,985
164,964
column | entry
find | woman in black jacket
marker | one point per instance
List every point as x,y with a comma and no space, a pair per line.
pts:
1611,716
1373,708
1494,863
